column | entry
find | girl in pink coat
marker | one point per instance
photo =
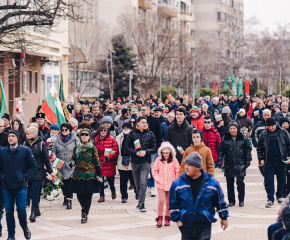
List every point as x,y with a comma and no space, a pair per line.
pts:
165,171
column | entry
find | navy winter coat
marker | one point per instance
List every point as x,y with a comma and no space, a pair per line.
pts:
16,167
202,213
234,106
164,126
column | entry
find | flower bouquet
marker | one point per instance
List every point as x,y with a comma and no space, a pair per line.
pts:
52,188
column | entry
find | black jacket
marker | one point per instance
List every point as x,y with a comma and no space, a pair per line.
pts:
161,119
179,136
257,130
237,154
3,139
244,121
283,140
41,157
147,141
16,167
95,125
6,130
223,130
40,135
154,126
213,107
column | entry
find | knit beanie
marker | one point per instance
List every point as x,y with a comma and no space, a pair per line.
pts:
86,130
54,126
194,109
271,121
15,132
194,159
282,120
226,110
108,119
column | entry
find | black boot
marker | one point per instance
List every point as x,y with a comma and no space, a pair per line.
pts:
37,212
27,233
32,217
27,204
64,202
84,218
68,206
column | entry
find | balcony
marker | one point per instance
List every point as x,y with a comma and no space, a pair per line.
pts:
186,37
186,18
167,10
145,4
166,33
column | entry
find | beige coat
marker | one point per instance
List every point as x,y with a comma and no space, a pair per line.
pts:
119,140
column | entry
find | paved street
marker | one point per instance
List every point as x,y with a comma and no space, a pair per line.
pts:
114,220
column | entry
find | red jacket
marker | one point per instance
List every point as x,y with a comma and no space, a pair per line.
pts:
109,166
212,140
196,122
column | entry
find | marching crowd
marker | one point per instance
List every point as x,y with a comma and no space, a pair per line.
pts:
170,149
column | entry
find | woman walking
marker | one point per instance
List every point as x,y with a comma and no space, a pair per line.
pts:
40,152
63,148
87,172
17,125
108,151
165,171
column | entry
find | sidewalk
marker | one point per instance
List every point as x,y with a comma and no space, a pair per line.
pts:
115,220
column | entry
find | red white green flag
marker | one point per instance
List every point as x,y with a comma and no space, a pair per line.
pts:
55,180
218,117
137,144
256,113
52,107
58,163
107,151
180,149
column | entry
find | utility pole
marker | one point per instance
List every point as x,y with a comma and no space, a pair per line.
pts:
280,81
130,83
193,79
187,83
75,82
160,86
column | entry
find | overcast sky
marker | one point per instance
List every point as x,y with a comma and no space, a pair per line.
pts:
268,12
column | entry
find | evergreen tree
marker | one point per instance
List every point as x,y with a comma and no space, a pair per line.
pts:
123,62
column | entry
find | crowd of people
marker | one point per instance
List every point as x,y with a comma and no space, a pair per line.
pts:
168,148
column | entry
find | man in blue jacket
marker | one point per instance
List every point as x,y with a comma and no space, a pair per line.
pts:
17,165
193,198
234,106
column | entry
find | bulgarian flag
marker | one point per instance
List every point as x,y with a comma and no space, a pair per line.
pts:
52,107
107,151
58,163
256,113
180,149
55,180
137,144
218,117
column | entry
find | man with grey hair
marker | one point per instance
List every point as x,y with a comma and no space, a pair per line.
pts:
283,113
110,111
215,105
260,127
3,135
98,116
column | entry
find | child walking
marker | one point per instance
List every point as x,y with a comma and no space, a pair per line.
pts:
165,171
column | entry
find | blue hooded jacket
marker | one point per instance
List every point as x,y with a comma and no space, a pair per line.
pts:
209,198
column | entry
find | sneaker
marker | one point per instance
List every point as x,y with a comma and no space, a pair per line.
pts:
142,208
148,191
269,204
131,187
138,206
231,204
241,204
153,192
279,200
124,200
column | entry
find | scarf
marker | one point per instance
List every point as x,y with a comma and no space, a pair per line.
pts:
32,141
101,137
65,138
82,147
53,137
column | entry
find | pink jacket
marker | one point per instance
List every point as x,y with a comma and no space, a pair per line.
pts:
165,173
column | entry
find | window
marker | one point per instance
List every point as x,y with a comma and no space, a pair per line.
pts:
219,16
56,81
34,82
48,84
28,82
182,8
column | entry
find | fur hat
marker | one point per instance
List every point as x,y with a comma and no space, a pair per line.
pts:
166,145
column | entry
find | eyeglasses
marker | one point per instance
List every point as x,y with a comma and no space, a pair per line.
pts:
207,122
64,130
84,134
103,130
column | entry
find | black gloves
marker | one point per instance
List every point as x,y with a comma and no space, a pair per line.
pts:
107,158
219,164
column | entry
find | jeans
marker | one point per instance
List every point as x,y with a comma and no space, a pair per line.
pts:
65,189
151,181
85,200
231,189
273,168
140,174
111,182
124,177
10,196
201,233
276,231
33,188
